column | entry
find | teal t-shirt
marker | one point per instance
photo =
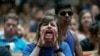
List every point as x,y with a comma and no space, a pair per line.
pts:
15,45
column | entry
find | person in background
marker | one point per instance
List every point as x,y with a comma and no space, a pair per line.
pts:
3,11
49,41
86,4
74,25
85,19
64,14
94,10
37,13
12,10
20,31
24,11
4,8
9,37
25,15
22,34
97,19
92,43
96,2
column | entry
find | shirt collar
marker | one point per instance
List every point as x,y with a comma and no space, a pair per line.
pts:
15,38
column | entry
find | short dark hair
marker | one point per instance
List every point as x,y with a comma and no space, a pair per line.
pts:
97,17
94,27
61,5
11,16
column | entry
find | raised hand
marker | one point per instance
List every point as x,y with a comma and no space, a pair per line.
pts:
41,41
55,41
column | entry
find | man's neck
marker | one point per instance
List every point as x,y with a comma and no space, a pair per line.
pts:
64,28
8,37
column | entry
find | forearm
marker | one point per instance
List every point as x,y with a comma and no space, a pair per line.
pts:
58,51
78,51
35,52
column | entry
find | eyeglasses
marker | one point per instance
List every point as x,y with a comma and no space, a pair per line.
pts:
63,13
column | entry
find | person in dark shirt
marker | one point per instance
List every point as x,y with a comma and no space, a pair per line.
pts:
92,42
4,52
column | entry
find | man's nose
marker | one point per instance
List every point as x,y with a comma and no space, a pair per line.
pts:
11,26
66,14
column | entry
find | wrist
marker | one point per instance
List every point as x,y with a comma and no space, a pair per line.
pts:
58,50
57,47
38,45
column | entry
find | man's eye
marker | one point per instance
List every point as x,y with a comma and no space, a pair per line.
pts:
14,25
11,25
8,24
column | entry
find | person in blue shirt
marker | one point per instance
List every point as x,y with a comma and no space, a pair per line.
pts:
64,13
9,37
49,41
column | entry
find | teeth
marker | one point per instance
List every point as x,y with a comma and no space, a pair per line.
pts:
48,35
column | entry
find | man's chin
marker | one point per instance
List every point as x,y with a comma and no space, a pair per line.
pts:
66,23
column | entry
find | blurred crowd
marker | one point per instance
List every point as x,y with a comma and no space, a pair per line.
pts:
30,12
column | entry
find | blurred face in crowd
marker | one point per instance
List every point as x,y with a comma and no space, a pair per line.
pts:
73,25
10,26
86,19
38,15
33,12
94,10
65,16
87,2
4,8
26,8
20,31
50,30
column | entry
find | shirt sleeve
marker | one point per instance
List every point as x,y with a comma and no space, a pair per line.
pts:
66,49
28,49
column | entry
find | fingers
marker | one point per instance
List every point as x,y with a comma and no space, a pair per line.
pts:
55,35
41,40
55,42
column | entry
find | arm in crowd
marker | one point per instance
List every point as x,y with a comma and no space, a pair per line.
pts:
78,50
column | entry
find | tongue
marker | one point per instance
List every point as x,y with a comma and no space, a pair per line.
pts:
48,35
